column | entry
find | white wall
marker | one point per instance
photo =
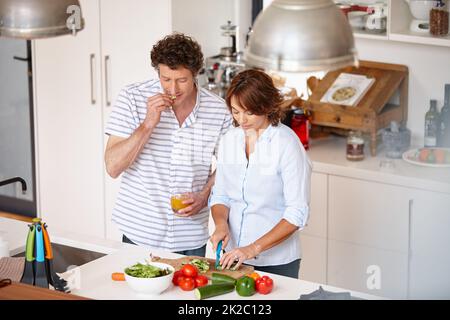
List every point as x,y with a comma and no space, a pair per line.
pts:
202,20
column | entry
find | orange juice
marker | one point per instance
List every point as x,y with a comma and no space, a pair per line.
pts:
176,202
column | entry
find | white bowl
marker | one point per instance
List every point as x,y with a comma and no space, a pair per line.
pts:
151,286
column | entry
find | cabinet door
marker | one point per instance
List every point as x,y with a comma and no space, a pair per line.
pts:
69,125
317,223
368,228
430,238
313,266
129,31
367,269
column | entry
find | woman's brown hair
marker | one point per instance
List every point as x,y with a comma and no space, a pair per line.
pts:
254,91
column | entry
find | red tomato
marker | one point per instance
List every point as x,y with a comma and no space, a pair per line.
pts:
186,283
189,270
176,277
201,281
264,285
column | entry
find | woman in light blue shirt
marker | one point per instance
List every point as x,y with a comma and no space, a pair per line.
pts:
260,199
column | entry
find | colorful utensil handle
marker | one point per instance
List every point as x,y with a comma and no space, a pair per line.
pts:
39,245
47,243
29,251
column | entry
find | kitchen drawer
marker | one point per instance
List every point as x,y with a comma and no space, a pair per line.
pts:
354,267
369,213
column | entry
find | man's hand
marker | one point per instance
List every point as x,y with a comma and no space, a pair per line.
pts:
196,201
155,105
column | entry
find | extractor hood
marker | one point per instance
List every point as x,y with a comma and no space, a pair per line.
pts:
33,19
301,36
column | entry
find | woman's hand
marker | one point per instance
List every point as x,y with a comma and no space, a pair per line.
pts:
221,233
240,255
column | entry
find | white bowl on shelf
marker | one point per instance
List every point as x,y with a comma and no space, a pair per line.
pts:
151,286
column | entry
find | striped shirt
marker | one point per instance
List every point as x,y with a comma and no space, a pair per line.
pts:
174,157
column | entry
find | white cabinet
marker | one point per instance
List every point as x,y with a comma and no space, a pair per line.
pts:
127,40
76,80
313,266
430,240
367,269
69,124
368,229
313,236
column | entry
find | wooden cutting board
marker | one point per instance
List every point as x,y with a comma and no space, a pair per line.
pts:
178,263
22,291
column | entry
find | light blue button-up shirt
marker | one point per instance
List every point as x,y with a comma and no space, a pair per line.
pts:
273,184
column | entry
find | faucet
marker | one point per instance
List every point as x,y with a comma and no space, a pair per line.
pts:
15,179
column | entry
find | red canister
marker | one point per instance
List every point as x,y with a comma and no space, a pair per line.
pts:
300,125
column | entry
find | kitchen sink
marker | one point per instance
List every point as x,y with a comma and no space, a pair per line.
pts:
66,256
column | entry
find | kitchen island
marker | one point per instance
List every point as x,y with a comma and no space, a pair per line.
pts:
93,280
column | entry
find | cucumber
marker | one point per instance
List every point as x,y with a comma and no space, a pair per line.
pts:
218,278
213,290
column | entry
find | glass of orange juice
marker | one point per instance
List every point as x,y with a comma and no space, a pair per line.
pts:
176,199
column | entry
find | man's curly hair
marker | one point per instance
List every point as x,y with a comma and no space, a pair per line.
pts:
178,50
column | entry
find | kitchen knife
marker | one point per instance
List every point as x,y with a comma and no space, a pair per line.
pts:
218,252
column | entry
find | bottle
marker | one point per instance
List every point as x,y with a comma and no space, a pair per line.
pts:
439,19
444,134
431,125
355,146
300,125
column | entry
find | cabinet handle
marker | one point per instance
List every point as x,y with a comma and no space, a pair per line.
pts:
410,217
107,93
93,80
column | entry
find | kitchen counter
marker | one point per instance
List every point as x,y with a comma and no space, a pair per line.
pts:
328,156
93,280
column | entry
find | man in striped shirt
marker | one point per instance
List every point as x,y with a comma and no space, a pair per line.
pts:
162,136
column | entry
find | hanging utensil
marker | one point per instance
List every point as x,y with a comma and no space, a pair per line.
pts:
40,277
28,273
58,283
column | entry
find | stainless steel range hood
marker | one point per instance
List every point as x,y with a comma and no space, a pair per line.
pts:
301,36
33,19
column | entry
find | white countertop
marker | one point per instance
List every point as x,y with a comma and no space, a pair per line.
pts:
328,156
95,281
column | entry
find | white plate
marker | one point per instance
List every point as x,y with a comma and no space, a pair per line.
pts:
409,156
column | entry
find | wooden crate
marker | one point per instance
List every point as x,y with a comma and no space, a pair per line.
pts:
374,111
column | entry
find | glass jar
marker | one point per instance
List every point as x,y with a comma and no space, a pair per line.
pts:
300,125
355,146
439,20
